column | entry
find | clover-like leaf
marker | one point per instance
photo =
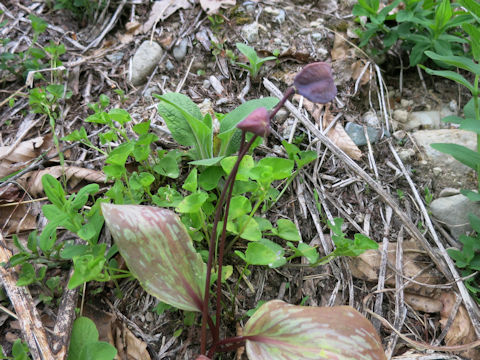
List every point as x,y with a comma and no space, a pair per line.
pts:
159,253
280,331
315,82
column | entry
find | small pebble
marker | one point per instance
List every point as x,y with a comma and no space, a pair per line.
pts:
406,103
370,118
115,57
250,32
406,154
399,135
281,116
180,50
452,105
280,18
317,36
448,191
400,115
355,131
169,65
206,84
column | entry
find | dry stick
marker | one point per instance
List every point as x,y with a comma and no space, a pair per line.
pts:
30,323
467,300
109,26
64,323
411,228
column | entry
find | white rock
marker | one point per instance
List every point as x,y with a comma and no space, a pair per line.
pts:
425,119
370,118
399,135
437,171
180,50
146,57
400,115
406,103
448,192
424,138
406,154
250,32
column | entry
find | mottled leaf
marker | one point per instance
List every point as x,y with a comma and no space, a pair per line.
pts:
159,253
280,331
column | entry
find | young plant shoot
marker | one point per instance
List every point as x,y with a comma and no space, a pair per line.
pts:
160,253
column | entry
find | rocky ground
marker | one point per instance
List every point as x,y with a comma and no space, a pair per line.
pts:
403,194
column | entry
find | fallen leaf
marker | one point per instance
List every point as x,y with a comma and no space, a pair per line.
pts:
461,331
367,265
12,160
163,9
340,49
74,175
423,303
338,135
357,68
212,6
135,348
17,218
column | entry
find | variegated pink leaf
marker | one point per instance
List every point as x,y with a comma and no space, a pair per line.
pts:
280,331
159,253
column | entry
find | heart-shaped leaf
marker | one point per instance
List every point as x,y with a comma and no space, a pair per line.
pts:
159,253
280,331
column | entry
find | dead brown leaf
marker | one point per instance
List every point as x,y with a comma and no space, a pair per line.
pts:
357,68
338,135
366,266
163,9
461,331
17,218
135,348
74,175
12,160
212,6
423,303
341,49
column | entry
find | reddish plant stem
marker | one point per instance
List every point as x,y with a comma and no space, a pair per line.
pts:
290,91
236,342
221,247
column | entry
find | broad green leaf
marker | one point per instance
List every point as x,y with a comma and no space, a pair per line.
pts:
287,230
469,109
159,253
246,227
190,183
248,51
207,162
84,344
453,119
120,115
210,177
82,196
470,125
280,331
192,203
168,165
239,205
282,167
471,195
309,252
229,134
442,15
265,252
452,76
474,222
460,153
472,6
119,155
305,157
185,122
461,62
243,170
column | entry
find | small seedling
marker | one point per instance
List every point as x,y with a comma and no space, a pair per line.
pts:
254,61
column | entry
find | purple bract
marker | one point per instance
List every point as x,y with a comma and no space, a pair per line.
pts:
315,82
258,122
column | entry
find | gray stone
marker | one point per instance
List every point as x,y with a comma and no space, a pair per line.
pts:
206,84
169,65
152,89
280,18
453,212
250,32
448,192
356,133
115,57
399,135
406,154
424,138
180,50
425,119
281,116
146,57
406,103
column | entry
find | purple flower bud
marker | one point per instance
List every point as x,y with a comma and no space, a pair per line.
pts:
315,82
258,122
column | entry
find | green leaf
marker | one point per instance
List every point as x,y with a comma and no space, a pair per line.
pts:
469,109
461,62
38,24
470,125
282,167
248,51
82,196
460,153
119,155
287,230
190,183
452,76
239,205
229,134
207,162
309,252
27,275
185,122
279,330
159,252
192,203
443,13
474,222
120,115
142,128
265,252
84,342
243,170
246,227
471,195
77,135
453,119
168,165
306,157
210,177
87,267
472,6
54,190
